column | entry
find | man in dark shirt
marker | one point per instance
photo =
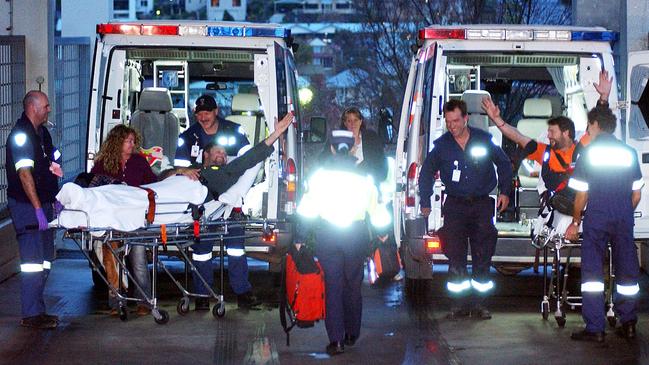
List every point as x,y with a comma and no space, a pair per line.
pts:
32,170
219,176
465,158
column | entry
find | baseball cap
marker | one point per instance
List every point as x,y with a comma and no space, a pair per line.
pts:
205,103
342,139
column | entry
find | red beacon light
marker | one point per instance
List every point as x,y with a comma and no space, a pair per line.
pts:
435,33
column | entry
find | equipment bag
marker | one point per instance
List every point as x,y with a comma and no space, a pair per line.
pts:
384,261
303,290
563,200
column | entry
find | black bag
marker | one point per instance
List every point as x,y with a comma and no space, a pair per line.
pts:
384,261
563,201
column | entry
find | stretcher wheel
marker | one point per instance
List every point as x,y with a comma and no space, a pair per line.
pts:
183,306
123,314
218,310
612,321
160,316
545,310
561,321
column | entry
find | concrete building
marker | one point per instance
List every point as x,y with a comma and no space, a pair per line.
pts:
195,5
236,8
315,6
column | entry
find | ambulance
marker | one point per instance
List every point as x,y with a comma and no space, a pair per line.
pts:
533,73
148,74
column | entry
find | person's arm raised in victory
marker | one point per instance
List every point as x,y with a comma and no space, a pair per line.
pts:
507,130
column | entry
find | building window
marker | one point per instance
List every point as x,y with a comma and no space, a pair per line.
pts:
236,3
120,5
144,3
327,62
214,3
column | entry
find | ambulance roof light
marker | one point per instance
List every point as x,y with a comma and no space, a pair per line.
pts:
192,30
594,36
517,34
433,33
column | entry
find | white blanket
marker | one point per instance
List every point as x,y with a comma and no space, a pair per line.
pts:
123,207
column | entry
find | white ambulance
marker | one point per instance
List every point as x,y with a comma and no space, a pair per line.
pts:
534,72
149,74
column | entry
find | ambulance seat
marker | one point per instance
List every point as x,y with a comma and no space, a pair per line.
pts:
536,113
477,117
555,101
246,112
155,122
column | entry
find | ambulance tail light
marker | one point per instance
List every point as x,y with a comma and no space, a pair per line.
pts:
291,184
269,237
411,187
432,244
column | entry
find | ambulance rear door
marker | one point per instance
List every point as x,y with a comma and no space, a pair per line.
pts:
637,129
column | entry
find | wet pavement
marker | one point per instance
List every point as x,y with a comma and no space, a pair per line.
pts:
403,323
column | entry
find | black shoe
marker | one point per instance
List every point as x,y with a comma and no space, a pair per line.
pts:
627,330
202,304
350,340
38,322
50,317
480,312
457,313
247,300
584,335
335,348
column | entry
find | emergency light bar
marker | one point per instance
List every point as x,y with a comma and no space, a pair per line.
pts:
517,35
192,30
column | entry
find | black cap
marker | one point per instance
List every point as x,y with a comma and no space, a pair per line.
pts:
205,103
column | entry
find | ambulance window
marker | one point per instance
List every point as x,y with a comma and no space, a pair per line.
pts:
280,72
639,114
427,94
292,74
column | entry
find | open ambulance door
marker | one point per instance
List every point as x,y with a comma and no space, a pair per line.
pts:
637,129
421,119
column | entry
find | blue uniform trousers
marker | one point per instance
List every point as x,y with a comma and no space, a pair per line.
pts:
468,222
598,231
342,253
237,263
36,254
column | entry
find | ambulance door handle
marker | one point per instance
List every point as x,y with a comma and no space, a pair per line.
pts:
637,214
119,98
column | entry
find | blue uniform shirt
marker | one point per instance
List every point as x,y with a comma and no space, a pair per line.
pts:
608,170
477,176
28,147
228,135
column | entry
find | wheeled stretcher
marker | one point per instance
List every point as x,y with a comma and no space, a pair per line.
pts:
548,236
157,237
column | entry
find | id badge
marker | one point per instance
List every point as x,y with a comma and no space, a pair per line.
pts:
456,175
195,151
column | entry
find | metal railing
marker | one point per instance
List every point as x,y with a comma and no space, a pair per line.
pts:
12,89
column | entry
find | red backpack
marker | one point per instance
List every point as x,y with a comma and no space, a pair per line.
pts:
303,299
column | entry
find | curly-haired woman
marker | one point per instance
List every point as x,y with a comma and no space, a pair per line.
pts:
118,158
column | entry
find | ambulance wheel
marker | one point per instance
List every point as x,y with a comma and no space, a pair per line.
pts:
545,310
123,313
218,310
612,321
561,321
183,306
160,316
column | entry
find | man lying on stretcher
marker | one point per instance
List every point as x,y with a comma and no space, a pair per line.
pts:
116,206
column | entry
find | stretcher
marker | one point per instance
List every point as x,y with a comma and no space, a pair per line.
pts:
548,236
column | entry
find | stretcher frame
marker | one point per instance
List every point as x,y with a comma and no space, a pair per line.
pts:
154,236
555,286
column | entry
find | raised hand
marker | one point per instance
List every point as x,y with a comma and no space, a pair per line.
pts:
283,124
490,108
603,87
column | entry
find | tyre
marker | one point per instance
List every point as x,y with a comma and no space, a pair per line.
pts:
123,313
160,316
218,310
183,306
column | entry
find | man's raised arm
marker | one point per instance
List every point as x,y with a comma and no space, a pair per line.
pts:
507,130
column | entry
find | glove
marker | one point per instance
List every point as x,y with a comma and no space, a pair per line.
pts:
58,207
42,220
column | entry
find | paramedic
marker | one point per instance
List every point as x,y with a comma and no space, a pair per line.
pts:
338,200
557,159
465,158
219,175
32,164
210,128
608,179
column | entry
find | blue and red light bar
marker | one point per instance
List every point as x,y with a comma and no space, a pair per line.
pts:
517,34
192,30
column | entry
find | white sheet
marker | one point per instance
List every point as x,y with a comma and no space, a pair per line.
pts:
123,207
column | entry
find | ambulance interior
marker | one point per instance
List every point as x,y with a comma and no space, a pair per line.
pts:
529,89
159,90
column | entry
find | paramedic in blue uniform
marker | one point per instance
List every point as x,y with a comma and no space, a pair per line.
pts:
210,128
32,168
607,176
465,159
338,202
